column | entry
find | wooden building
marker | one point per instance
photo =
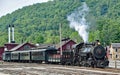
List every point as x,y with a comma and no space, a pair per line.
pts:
14,47
66,45
7,46
23,46
1,52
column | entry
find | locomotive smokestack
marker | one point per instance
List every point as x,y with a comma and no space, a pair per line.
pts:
9,34
13,40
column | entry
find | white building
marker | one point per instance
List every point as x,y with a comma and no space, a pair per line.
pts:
115,51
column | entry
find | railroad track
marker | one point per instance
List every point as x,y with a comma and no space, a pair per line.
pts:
50,69
91,71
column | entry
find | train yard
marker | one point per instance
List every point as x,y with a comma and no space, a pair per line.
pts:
30,62
10,68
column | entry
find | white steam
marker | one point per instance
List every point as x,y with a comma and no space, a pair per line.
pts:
78,21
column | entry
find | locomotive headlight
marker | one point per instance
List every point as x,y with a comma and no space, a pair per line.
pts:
98,51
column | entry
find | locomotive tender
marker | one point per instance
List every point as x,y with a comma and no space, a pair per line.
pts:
82,54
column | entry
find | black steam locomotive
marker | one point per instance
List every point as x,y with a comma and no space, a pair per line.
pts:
86,54
83,54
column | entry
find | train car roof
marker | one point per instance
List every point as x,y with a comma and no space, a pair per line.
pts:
28,51
35,50
51,48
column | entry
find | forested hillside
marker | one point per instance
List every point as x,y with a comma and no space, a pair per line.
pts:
106,14
39,23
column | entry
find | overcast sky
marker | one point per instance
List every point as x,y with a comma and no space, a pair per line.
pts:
8,6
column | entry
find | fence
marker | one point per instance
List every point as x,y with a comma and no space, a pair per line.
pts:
114,64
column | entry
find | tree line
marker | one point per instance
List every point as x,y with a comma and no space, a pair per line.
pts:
39,23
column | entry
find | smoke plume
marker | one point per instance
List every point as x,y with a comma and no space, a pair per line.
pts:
78,21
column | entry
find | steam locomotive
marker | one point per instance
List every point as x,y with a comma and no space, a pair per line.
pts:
86,54
82,54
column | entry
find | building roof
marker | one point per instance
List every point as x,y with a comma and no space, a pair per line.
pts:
63,43
115,44
45,45
15,48
9,46
18,46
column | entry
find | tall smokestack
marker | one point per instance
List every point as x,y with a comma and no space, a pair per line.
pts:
9,34
13,40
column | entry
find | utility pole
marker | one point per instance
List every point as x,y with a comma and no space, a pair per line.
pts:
9,31
60,39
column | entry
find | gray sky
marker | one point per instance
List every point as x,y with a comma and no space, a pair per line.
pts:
8,6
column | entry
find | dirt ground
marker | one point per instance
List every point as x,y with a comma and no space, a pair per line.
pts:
10,68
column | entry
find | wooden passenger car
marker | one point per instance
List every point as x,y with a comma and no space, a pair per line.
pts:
15,56
38,55
24,56
33,55
7,56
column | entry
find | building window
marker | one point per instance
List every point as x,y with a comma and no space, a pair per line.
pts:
110,55
116,49
26,47
116,56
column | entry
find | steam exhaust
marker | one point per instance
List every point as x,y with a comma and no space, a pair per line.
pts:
78,21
